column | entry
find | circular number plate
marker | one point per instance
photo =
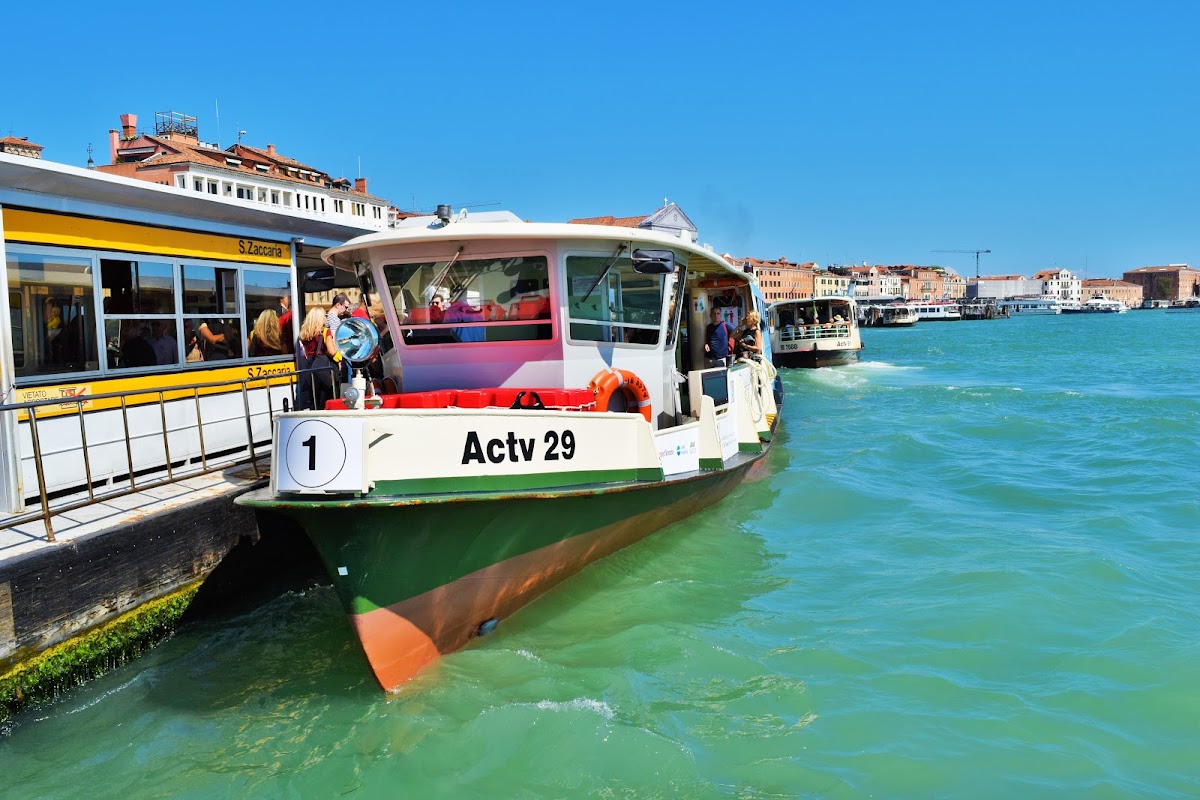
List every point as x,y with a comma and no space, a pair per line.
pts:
315,454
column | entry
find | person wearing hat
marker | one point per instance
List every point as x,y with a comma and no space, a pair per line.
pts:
337,312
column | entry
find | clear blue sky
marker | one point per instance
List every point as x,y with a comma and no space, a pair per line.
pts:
1054,133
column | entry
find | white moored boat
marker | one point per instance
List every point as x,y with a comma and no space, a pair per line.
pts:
936,310
1098,305
1027,306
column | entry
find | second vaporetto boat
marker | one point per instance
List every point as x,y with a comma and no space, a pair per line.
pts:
490,471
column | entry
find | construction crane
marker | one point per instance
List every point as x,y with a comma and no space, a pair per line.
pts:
976,252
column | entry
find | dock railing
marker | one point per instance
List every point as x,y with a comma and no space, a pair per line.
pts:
161,396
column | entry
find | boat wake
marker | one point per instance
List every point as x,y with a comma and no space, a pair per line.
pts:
578,704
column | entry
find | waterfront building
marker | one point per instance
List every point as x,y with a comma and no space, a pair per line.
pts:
875,281
779,279
999,287
1061,284
954,286
1171,282
668,219
175,156
20,146
1126,293
830,284
923,283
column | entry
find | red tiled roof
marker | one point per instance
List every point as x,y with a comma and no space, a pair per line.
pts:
187,153
1165,268
1110,282
619,222
20,141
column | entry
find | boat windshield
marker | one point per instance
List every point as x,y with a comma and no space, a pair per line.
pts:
471,300
625,306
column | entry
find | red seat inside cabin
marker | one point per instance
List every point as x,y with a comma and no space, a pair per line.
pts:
479,398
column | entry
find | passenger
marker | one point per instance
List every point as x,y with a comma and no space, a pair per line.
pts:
437,311
191,344
716,340
284,311
360,310
748,336
266,338
316,352
337,312
166,349
216,340
136,351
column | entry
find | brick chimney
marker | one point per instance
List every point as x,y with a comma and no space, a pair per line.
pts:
113,138
128,126
360,185
270,149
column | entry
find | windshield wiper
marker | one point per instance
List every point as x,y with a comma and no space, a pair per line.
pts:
616,255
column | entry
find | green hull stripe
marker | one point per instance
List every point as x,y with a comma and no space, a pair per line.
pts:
515,483
379,555
750,447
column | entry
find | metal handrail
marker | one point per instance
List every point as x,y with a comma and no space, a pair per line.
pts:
805,332
46,512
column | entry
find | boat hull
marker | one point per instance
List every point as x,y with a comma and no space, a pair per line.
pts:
422,579
811,359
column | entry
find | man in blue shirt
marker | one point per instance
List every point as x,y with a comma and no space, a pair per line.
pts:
716,340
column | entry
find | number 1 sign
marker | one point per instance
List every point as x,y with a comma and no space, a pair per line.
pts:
319,455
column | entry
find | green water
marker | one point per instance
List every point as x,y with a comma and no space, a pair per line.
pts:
974,572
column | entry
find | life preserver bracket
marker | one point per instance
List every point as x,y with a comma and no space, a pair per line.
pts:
610,380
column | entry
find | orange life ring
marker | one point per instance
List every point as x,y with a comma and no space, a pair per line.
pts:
607,381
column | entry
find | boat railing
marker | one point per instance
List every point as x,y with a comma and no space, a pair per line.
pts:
223,459
828,330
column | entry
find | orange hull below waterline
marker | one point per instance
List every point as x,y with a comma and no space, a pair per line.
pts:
406,637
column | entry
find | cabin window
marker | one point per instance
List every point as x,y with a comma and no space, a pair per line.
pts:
620,305
53,314
471,300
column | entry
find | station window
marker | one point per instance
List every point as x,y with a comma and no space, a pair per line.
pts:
212,325
478,300
137,287
608,302
269,328
53,314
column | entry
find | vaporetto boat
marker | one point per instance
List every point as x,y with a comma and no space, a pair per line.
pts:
1098,305
533,420
817,332
1026,306
936,311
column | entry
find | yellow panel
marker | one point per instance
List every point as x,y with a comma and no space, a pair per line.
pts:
145,388
35,227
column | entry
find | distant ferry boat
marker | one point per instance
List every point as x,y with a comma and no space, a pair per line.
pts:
1026,306
1098,305
817,332
936,310
1192,304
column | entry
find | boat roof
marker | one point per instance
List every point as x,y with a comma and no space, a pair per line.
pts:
505,225
808,301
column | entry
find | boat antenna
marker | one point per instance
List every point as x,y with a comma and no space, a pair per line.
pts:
620,249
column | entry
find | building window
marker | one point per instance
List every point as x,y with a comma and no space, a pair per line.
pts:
198,184
275,197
